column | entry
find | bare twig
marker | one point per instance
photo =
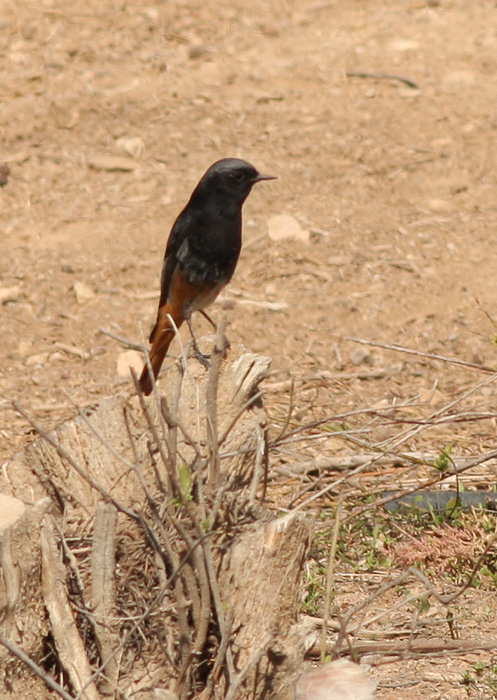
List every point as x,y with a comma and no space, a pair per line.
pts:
251,663
412,649
411,432
344,462
173,421
259,463
337,419
84,417
427,355
125,342
429,589
382,76
440,477
37,670
289,413
169,475
330,578
218,353
250,402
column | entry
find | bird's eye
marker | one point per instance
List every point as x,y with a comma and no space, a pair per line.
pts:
238,177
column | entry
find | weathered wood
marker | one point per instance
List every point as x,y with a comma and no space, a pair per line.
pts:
241,415
12,512
261,580
237,585
70,647
98,440
103,592
21,603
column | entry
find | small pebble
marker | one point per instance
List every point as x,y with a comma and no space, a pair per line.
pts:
361,356
9,294
83,292
284,226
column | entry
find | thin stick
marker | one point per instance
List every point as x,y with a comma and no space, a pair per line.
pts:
408,434
339,417
411,432
253,399
427,355
125,342
260,454
219,606
413,648
289,412
218,663
62,452
218,352
253,661
173,421
70,646
37,670
398,580
170,480
82,414
330,578
383,76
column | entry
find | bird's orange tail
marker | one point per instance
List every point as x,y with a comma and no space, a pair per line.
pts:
162,335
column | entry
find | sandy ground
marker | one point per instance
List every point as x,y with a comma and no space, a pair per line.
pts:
111,111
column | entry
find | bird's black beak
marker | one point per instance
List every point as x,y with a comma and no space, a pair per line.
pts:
260,177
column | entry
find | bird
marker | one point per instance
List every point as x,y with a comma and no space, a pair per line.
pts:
201,253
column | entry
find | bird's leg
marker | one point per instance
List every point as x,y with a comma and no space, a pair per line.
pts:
214,325
198,355
206,316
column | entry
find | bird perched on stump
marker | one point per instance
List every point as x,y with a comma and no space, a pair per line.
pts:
201,253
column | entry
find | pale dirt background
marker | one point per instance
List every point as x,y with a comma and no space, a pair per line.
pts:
397,186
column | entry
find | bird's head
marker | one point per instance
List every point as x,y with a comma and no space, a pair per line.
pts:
232,177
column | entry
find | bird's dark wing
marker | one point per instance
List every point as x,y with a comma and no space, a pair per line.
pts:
177,237
180,232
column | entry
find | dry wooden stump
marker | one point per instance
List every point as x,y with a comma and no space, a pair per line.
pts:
153,569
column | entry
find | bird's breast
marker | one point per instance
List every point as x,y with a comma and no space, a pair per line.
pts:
210,253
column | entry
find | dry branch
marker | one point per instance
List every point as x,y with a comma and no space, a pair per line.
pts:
103,591
426,355
412,648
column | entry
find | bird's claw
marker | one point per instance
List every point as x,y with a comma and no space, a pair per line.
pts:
203,359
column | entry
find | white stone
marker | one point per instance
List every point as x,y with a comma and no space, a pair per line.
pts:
284,226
